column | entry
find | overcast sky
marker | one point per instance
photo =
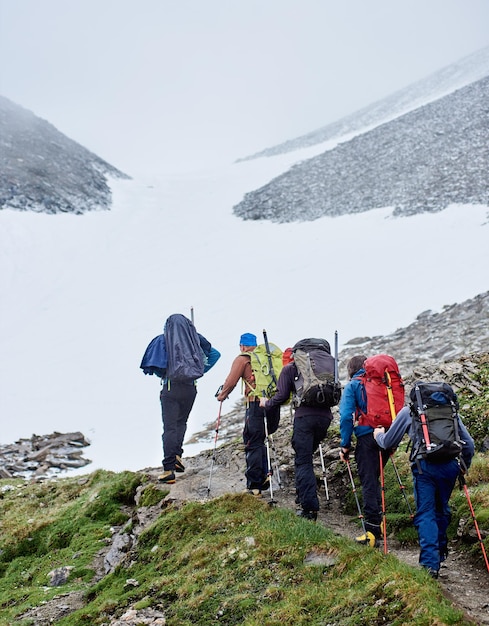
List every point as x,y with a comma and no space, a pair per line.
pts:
160,85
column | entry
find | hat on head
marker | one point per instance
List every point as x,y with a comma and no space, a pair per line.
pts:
248,339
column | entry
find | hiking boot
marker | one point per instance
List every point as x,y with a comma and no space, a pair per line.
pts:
254,492
179,466
443,554
432,572
368,539
168,477
266,484
311,515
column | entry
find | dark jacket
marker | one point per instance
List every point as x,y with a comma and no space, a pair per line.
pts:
286,386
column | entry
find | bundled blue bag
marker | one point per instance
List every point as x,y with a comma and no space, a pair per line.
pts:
185,355
180,354
155,358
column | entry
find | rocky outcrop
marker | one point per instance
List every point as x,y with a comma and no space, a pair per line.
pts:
42,456
459,329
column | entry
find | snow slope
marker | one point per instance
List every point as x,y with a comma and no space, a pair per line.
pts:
82,296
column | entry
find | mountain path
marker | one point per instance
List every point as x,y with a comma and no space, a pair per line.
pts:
463,580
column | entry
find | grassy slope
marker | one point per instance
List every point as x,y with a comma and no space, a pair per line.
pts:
233,560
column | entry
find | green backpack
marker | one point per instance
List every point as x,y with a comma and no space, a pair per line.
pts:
266,366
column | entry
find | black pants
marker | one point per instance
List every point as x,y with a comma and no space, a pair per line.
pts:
309,431
255,449
368,464
177,400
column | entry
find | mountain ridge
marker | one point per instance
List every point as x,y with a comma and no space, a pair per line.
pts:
459,74
422,161
45,171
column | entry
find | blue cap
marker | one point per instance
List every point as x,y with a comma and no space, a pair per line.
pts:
248,339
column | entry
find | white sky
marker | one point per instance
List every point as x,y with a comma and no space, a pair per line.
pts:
160,85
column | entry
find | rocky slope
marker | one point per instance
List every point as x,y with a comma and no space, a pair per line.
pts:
445,345
422,161
44,171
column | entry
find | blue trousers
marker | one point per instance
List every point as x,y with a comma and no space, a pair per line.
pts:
433,486
177,400
309,431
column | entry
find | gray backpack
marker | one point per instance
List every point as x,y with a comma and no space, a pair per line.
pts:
315,384
434,411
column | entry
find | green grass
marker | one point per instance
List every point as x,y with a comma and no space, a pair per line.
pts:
233,560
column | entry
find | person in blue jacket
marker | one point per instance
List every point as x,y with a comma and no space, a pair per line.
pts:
433,486
353,403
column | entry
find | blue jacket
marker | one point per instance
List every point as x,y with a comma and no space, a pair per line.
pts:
353,400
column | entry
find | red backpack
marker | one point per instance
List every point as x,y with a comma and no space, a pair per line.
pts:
384,389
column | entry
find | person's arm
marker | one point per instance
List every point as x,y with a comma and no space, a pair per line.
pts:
347,409
212,358
468,449
285,385
237,371
400,426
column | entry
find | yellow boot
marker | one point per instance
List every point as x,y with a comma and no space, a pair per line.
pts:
367,539
168,477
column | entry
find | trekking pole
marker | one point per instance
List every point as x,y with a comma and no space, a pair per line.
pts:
269,356
324,473
336,356
269,463
382,486
275,459
463,484
402,487
354,489
214,451
422,417
390,395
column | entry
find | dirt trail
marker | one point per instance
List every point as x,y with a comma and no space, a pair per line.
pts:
465,584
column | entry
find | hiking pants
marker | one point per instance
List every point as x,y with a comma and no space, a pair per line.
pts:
433,486
368,465
177,400
309,431
255,449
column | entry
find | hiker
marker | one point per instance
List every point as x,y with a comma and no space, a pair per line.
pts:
256,473
179,356
353,403
310,427
433,484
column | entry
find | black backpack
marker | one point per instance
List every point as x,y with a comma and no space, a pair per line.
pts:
316,384
434,411
185,355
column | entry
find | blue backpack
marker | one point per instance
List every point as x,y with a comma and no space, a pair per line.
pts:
185,354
